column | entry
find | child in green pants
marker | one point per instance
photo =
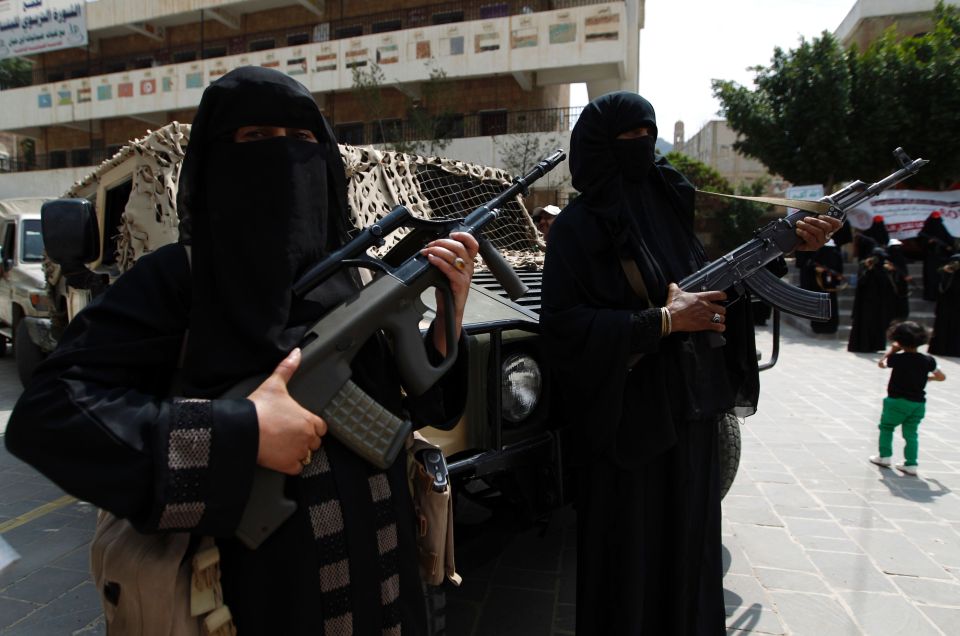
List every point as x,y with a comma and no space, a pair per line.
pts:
905,403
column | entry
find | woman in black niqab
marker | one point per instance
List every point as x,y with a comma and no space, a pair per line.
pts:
110,418
648,504
937,245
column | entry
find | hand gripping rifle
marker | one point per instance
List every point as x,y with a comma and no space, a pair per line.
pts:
392,303
745,265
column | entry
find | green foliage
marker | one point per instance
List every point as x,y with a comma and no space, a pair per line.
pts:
736,220
15,72
426,129
820,114
700,174
741,218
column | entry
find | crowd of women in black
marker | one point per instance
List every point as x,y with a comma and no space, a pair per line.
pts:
884,284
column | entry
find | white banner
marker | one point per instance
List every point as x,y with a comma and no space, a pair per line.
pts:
904,211
28,27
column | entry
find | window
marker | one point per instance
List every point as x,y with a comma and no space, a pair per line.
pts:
57,159
297,39
493,122
498,10
8,235
387,131
215,51
184,56
447,17
263,44
31,242
80,157
350,134
450,126
386,25
117,197
352,31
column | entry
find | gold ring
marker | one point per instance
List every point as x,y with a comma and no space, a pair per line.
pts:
306,460
459,263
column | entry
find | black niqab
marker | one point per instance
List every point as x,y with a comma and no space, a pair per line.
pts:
241,204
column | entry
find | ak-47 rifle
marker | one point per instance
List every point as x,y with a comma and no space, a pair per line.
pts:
392,303
745,266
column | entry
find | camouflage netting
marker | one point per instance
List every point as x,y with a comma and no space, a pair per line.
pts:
435,188
431,187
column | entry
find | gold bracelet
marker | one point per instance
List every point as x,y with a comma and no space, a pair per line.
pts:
666,323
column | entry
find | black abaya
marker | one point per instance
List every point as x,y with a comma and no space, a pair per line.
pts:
645,436
874,306
946,324
937,244
829,260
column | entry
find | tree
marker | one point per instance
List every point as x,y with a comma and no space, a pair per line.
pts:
520,153
797,120
427,128
15,72
823,115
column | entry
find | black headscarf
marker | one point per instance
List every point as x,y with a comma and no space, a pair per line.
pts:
637,207
257,214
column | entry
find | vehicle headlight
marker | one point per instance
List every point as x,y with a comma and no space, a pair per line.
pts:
520,387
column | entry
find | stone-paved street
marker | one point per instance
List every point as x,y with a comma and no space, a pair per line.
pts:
816,539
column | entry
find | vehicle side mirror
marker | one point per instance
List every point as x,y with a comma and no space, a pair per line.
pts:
71,235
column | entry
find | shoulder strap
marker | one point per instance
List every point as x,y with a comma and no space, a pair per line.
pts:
635,278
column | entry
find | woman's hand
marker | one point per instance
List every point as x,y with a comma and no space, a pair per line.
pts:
454,257
695,311
289,433
815,231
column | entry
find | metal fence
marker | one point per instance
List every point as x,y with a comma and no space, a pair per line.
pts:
395,20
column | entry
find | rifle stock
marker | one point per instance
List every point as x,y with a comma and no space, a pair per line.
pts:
390,303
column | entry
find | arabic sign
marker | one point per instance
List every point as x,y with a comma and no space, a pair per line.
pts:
904,211
28,27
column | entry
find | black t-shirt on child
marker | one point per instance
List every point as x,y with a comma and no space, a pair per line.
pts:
909,376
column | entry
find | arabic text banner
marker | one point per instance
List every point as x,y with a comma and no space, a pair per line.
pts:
28,27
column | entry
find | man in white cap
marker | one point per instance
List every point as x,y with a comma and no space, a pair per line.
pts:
543,217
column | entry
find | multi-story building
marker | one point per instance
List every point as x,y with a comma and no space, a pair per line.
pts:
713,145
868,19
485,69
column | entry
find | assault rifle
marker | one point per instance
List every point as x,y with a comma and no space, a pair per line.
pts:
392,303
745,266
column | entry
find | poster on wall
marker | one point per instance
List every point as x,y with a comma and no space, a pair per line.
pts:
28,27
904,211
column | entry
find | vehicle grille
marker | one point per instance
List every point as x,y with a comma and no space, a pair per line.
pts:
531,300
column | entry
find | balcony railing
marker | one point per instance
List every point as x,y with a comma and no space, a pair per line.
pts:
398,19
484,124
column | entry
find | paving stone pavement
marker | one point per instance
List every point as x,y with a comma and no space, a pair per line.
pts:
816,539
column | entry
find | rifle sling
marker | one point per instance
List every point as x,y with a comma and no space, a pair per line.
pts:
635,278
816,207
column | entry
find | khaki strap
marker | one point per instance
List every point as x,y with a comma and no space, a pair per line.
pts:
816,207
635,278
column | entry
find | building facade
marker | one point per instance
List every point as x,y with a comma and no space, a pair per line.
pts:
484,69
868,19
713,146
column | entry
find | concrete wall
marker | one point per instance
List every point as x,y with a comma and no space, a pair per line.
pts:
713,145
40,183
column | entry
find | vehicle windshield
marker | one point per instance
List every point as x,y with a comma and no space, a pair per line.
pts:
31,250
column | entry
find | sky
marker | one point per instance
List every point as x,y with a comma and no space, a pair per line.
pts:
686,43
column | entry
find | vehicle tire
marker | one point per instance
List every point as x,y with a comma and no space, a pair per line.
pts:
26,352
435,598
729,451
